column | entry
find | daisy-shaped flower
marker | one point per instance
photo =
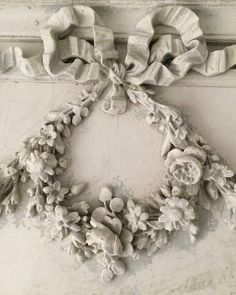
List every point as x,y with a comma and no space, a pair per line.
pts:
176,213
47,135
41,165
218,173
63,222
136,217
55,193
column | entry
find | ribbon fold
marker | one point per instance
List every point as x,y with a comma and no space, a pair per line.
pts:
162,63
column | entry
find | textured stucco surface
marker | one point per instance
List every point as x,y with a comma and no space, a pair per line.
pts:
123,151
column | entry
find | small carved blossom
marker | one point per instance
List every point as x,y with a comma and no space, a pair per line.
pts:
41,165
47,135
176,213
136,217
219,173
79,247
63,221
55,193
112,266
181,132
153,239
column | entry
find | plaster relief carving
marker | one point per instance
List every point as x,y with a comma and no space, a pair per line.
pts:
195,174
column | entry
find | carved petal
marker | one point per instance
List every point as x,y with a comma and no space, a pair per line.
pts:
117,205
105,194
99,214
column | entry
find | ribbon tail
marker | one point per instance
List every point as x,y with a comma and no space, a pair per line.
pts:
115,102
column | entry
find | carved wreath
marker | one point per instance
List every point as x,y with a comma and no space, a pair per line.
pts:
194,173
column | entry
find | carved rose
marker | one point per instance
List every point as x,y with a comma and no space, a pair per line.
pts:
186,166
186,169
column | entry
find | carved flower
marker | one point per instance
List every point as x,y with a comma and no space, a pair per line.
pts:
55,193
63,222
152,240
78,246
186,167
175,213
112,266
41,165
136,217
108,233
47,135
218,173
105,239
181,132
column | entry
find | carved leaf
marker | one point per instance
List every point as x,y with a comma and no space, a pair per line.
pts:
81,207
118,268
132,95
117,205
118,247
99,214
59,145
155,224
105,194
77,189
107,275
141,242
166,146
204,200
212,190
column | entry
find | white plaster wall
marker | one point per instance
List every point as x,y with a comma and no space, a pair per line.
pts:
123,150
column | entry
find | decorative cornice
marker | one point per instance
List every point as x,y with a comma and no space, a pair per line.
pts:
194,173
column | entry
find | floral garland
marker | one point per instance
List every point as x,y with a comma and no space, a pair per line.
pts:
118,228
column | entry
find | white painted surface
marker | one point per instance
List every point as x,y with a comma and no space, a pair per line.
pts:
101,151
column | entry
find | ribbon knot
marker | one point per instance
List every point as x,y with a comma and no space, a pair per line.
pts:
115,102
117,73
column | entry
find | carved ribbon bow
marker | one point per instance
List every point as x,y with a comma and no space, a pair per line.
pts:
145,63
